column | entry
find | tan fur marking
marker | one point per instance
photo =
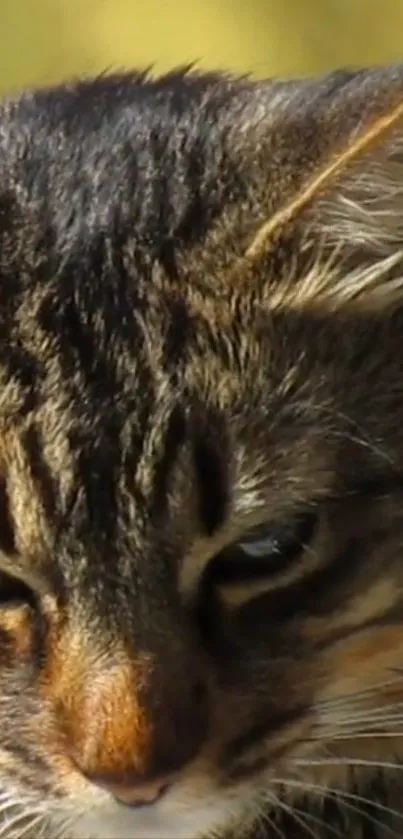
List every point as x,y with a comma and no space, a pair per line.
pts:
377,601
105,726
18,624
25,505
369,657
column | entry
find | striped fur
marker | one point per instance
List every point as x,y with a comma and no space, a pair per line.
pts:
201,334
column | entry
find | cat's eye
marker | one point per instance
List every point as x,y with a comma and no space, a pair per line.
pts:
265,550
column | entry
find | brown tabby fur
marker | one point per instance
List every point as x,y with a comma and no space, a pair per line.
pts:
201,331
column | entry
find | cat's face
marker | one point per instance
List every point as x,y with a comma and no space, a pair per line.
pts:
201,480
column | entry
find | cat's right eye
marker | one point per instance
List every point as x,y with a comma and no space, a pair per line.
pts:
264,551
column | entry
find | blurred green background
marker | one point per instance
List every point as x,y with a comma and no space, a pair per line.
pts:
43,41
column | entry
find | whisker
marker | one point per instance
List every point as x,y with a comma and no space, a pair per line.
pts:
357,434
293,813
326,732
345,798
275,827
381,710
337,761
353,808
320,822
265,817
32,824
368,735
357,722
8,826
350,697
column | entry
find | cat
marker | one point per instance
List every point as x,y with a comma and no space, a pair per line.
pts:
201,457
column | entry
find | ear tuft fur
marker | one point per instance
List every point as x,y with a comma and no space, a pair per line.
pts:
343,229
335,168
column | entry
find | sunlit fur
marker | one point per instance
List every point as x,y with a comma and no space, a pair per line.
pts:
201,331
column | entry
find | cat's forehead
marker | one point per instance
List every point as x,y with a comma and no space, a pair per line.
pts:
134,294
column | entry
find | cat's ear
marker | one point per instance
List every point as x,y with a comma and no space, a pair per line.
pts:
334,238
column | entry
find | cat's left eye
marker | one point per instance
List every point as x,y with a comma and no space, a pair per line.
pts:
263,551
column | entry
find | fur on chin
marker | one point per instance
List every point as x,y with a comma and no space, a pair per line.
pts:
110,821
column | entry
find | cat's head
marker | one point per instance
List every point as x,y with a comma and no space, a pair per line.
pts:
201,447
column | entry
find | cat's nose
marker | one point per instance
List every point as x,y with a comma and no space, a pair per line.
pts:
131,740
130,722
132,794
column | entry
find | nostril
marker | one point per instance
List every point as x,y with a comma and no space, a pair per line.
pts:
129,800
131,793
140,797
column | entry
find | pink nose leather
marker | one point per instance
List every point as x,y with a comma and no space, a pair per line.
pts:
133,795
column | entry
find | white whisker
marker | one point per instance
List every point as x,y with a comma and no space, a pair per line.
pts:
364,713
368,735
265,817
353,696
316,820
338,761
357,722
345,798
292,812
8,826
327,732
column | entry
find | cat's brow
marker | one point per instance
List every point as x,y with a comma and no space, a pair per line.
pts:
25,571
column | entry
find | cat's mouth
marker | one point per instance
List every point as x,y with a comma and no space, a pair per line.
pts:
190,810
208,793
205,799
